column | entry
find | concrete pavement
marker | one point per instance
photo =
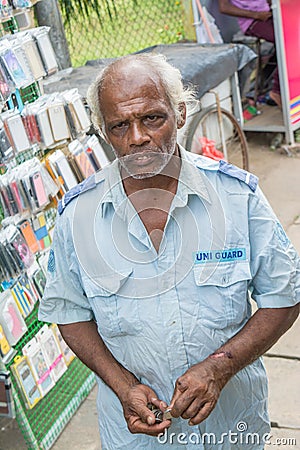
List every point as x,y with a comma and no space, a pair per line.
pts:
280,180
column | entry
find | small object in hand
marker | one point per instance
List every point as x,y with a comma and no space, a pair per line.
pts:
160,416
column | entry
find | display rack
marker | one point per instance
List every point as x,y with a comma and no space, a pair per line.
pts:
42,424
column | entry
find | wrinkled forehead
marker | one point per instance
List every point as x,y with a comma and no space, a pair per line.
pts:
131,78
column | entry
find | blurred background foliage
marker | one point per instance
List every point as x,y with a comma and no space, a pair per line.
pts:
110,28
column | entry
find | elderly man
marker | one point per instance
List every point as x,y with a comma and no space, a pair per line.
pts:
255,19
150,270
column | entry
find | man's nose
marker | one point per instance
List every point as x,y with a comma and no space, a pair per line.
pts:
138,135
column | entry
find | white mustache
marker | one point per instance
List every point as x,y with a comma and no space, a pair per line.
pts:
148,153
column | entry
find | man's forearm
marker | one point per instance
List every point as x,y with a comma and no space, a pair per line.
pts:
85,341
260,333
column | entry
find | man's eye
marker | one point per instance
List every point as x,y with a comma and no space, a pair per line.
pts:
119,125
152,118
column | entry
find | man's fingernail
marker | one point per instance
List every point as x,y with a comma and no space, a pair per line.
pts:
150,420
190,423
164,405
153,399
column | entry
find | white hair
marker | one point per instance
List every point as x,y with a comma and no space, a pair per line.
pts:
169,76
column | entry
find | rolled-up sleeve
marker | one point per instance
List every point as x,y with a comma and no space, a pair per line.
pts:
64,300
275,264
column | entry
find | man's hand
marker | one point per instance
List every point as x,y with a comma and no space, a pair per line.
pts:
138,416
263,15
197,391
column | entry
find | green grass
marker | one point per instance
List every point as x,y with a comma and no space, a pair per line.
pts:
137,24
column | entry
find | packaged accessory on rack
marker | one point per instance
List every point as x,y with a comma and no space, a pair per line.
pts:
16,131
29,236
5,9
29,46
38,277
21,300
75,103
24,294
51,187
31,126
98,152
82,160
62,169
8,199
5,201
26,381
44,126
66,351
6,85
15,189
21,3
12,66
6,351
17,241
22,59
24,181
52,352
41,231
42,260
38,189
27,188
41,35
10,262
11,319
58,121
39,366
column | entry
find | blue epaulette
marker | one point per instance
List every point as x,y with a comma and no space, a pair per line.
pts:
241,174
84,186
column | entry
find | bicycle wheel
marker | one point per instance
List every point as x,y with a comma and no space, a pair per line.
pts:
206,124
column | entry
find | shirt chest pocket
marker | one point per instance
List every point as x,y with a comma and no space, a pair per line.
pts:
222,292
112,298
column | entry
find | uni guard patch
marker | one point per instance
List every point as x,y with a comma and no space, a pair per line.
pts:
215,256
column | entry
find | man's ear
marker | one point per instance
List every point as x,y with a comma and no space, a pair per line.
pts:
182,117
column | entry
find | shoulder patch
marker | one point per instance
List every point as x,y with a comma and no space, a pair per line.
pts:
51,262
281,234
203,162
241,174
84,186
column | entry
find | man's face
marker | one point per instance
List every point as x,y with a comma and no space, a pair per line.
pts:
139,122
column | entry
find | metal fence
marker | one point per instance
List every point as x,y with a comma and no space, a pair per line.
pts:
127,26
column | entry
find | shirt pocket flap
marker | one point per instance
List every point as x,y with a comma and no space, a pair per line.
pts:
222,274
107,284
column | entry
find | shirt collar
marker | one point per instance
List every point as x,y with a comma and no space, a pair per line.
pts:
191,181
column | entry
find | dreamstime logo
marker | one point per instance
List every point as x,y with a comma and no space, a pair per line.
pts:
241,426
108,253
240,436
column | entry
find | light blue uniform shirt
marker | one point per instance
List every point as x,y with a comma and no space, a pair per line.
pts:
160,313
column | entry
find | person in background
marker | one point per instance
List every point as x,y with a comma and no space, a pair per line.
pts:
255,19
